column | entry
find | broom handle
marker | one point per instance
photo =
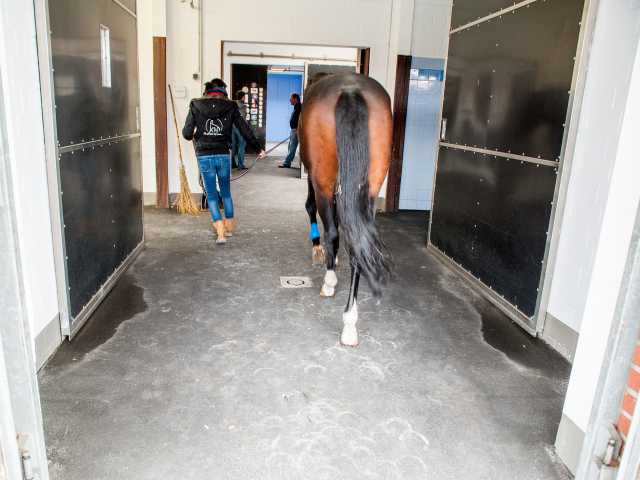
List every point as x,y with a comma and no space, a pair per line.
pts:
175,122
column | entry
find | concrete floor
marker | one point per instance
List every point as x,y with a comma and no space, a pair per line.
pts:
199,365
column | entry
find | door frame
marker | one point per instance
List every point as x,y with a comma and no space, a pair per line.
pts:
400,102
21,428
47,94
364,59
160,121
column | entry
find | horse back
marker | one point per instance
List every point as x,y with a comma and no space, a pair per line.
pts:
317,130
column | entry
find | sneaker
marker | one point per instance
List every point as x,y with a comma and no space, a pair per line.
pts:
284,166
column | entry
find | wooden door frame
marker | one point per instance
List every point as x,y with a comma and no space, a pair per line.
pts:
364,58
160,118
401,98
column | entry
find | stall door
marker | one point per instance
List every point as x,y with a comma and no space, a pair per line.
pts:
280,87
507,90
94,55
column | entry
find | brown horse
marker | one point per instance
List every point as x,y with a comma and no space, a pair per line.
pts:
345,144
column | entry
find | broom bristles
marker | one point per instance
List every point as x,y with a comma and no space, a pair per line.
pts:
185,202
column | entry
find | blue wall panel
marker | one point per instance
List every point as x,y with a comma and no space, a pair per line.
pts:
280,86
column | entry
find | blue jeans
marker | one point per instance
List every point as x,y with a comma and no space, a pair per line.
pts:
293,146
218,167
238,145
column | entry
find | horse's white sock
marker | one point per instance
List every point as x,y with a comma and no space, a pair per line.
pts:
330,283
349,335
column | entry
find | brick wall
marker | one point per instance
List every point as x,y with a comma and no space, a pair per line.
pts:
630,395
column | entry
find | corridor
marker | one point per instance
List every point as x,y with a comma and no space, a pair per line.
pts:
200,365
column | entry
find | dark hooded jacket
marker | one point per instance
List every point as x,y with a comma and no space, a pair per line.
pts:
210,122
295,116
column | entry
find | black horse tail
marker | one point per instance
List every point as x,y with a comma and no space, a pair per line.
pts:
356,209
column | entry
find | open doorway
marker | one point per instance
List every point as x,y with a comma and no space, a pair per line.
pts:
281,83
277,70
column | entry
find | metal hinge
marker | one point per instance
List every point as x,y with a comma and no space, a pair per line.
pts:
610,460
443,129
25,457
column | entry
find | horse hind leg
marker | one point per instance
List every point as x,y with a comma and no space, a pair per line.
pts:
329,220
317,252
349,336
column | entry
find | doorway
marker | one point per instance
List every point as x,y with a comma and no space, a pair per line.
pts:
280,86
252,79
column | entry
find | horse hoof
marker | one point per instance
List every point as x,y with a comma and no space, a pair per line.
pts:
349,336
317,256
327,291
329,285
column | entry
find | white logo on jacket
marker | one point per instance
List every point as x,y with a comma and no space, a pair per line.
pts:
213,127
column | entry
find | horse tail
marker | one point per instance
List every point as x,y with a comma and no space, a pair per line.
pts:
356,209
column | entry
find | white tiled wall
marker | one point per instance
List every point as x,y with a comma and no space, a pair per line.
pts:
421,136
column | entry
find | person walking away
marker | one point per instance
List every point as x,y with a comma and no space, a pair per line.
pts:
209,124
238,143
293,123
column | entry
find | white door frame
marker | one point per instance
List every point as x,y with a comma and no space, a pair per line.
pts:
21,429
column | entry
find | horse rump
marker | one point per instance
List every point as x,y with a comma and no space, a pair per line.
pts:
356,208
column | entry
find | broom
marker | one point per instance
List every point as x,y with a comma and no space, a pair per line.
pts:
184,202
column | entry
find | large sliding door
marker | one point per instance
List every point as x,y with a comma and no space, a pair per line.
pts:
95,78
507,92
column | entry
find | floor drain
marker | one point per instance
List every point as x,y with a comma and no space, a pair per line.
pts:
295,282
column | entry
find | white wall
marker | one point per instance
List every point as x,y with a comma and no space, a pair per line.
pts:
182,63
151,17
21,88
431,24
592,168
357,23
400,37
603,198
144,9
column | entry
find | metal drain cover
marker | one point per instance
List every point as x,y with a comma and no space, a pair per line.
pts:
296,282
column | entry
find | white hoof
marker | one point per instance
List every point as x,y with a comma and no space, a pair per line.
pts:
329,285
349,337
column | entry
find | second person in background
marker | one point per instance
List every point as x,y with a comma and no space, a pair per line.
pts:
293,137
238,143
